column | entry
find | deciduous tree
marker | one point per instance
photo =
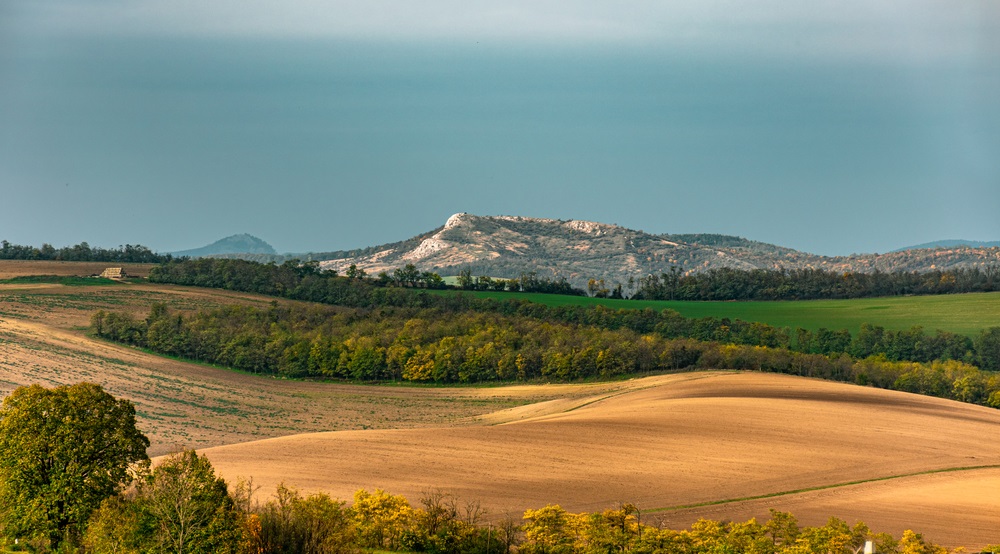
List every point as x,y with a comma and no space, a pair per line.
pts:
62,452
187,508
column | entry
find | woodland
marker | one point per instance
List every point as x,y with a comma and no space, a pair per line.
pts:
383,333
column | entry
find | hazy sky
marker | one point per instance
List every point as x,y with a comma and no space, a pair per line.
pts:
832,127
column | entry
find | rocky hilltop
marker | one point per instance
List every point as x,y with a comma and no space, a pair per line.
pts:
507,246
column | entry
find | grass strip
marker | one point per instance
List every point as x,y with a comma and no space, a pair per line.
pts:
966,314
68,281
819,488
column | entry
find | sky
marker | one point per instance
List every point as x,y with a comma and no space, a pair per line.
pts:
833,127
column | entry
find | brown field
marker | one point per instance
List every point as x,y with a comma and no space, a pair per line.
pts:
17,268
679,440
663,442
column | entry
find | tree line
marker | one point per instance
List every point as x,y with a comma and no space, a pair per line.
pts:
83,252
298,280
532,343
307,281
102,496
811,284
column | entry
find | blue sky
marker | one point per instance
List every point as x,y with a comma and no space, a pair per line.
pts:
831,127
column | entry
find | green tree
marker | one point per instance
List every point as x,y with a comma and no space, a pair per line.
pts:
432,280
465,279
62,452
355,272
312,525
113,528
988,349
185,508
406,276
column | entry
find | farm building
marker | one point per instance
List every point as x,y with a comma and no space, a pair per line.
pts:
114,273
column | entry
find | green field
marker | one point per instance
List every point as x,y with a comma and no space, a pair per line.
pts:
58,280
965,314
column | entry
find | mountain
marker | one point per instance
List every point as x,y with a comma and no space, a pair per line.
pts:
507,246
235,244
952,244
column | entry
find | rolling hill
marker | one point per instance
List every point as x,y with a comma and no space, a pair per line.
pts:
719,445
507,246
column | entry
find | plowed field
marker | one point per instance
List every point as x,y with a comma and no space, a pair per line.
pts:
684,440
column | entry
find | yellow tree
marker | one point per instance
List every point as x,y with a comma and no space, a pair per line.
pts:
548,531
914,543
381,518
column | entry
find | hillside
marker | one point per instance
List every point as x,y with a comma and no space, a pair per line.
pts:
506,246
672,441
235,244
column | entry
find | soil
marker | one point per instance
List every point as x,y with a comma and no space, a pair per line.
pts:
681,440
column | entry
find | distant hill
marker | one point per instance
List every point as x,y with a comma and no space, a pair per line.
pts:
952,244
507,246
235,244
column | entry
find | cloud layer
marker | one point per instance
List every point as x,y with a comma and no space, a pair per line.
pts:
916,30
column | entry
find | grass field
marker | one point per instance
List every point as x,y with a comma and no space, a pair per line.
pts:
69,281
966,314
